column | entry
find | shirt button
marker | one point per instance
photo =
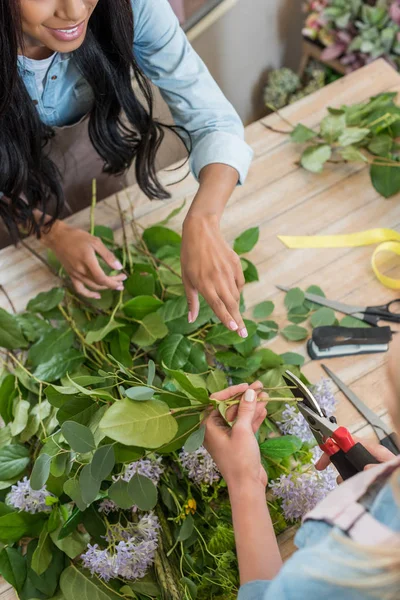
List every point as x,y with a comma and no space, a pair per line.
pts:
35,102
54,77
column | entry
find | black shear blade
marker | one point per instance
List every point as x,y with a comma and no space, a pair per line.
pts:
299,390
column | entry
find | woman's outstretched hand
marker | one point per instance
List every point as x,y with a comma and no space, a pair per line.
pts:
78,253
235,449
211,268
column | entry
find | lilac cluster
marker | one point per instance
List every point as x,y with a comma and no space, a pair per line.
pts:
23,497
293,422
200,466
131,550
301,492
151,468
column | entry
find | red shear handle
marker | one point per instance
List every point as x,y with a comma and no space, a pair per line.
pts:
344,439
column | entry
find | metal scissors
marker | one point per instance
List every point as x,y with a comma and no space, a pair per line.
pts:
368,314
383,432
348,456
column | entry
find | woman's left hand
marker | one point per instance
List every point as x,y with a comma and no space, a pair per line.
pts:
235,449
211,268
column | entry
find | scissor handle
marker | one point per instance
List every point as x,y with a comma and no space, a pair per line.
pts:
385,311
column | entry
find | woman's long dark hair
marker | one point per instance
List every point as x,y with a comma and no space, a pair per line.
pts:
29,179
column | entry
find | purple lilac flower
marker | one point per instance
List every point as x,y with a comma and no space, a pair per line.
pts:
23,497
293,422
151,468
200,466
301,492
130,553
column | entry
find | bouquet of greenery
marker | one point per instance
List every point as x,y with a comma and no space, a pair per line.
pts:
107,491
355,31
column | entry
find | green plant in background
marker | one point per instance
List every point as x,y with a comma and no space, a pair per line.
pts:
366,132
285,86
101,456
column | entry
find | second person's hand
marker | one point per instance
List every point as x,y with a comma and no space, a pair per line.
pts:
78,252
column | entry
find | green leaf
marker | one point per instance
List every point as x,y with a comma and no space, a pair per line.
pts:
247,240
75,583
139,393
13,461
332,127
386,180
106,233
191,384
56,341
299,314
157,236
292,358
96,336
352,154
72,489
151,328
186,529
70,524
230,359
46,301
95,393
249,271
21,411
189,586
143,424
42,556
294,333
143,492
141,282
59,464
40,472
314,289
11,336
352,135
280,447
79,437
8,392
381,145
16,525
13,568
263,310
119,494
73,545
197,361
301,134
217,380
88,485
103,462
195,440
151,372
294,298
314,157
59,365
26,380
219,335
269,359
267,330
139,307
174,351
80,410
323,316
120,347
349,321
148,588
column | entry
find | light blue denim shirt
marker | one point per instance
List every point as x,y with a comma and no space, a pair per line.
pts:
167,59
324,562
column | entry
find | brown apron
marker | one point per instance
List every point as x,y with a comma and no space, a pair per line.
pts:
79,163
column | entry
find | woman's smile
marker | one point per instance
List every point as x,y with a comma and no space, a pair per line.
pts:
69,34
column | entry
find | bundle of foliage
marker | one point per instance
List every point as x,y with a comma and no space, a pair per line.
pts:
355,31
98,497
366,132
285,86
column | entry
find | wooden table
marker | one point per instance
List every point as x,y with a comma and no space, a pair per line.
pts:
281,198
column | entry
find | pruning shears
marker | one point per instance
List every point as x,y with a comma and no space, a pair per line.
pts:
348,456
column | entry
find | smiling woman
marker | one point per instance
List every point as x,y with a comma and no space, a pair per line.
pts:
68,64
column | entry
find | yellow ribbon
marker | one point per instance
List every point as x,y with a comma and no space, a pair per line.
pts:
388,240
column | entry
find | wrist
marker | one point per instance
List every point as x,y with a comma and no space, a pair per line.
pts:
49,236
246,489
201,219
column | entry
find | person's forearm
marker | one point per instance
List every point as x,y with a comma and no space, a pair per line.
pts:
256,544
217,183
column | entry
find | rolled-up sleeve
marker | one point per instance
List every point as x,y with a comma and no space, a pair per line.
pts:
195,100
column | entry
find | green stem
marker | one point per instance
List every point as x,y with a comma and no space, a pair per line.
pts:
93,206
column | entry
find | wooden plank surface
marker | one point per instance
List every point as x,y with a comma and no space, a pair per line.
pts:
282,199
